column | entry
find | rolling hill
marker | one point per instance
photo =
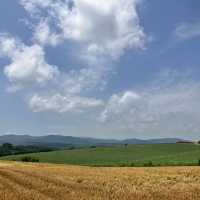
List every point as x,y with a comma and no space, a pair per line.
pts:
121,155
61,141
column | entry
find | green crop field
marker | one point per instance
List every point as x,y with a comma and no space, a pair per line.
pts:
132,155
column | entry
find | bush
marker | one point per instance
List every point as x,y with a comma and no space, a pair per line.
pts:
148,164
29,159
199,162
71,148
122,165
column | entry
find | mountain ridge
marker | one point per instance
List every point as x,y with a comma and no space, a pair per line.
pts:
70,140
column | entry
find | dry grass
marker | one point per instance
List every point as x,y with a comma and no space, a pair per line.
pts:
42,182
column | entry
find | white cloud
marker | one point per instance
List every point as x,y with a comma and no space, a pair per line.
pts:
101,30
28,63
102,27
73,85
33,5
83,80
59,103
119,105
44,35
172,109
28,66
187,31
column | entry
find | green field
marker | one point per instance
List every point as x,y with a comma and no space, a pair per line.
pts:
132,155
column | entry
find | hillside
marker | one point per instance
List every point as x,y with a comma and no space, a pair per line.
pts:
121,155
61,141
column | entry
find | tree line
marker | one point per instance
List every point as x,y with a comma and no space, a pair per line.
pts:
10,149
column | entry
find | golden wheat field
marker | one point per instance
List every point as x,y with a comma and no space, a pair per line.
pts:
43,182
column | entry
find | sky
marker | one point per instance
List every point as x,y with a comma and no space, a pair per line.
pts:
105,69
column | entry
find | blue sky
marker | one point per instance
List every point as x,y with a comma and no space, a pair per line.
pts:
117,69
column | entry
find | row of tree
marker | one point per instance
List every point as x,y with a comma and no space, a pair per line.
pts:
9,149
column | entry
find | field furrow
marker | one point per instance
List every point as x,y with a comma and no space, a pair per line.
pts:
13,190
20,181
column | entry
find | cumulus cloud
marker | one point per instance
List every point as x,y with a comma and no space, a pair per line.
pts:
44,35
120,104
34,5
83,80
61,104
187,31
28,63
102,27
100,30
74,86
169,109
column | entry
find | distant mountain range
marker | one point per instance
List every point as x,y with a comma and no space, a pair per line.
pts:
61,141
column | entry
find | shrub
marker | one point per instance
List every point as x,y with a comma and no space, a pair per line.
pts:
122,165
29,159
199,162
71,148
149,164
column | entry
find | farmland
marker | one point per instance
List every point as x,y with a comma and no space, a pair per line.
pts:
120,155
20,181
123,176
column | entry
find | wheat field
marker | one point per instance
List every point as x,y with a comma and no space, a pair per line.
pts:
48,181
